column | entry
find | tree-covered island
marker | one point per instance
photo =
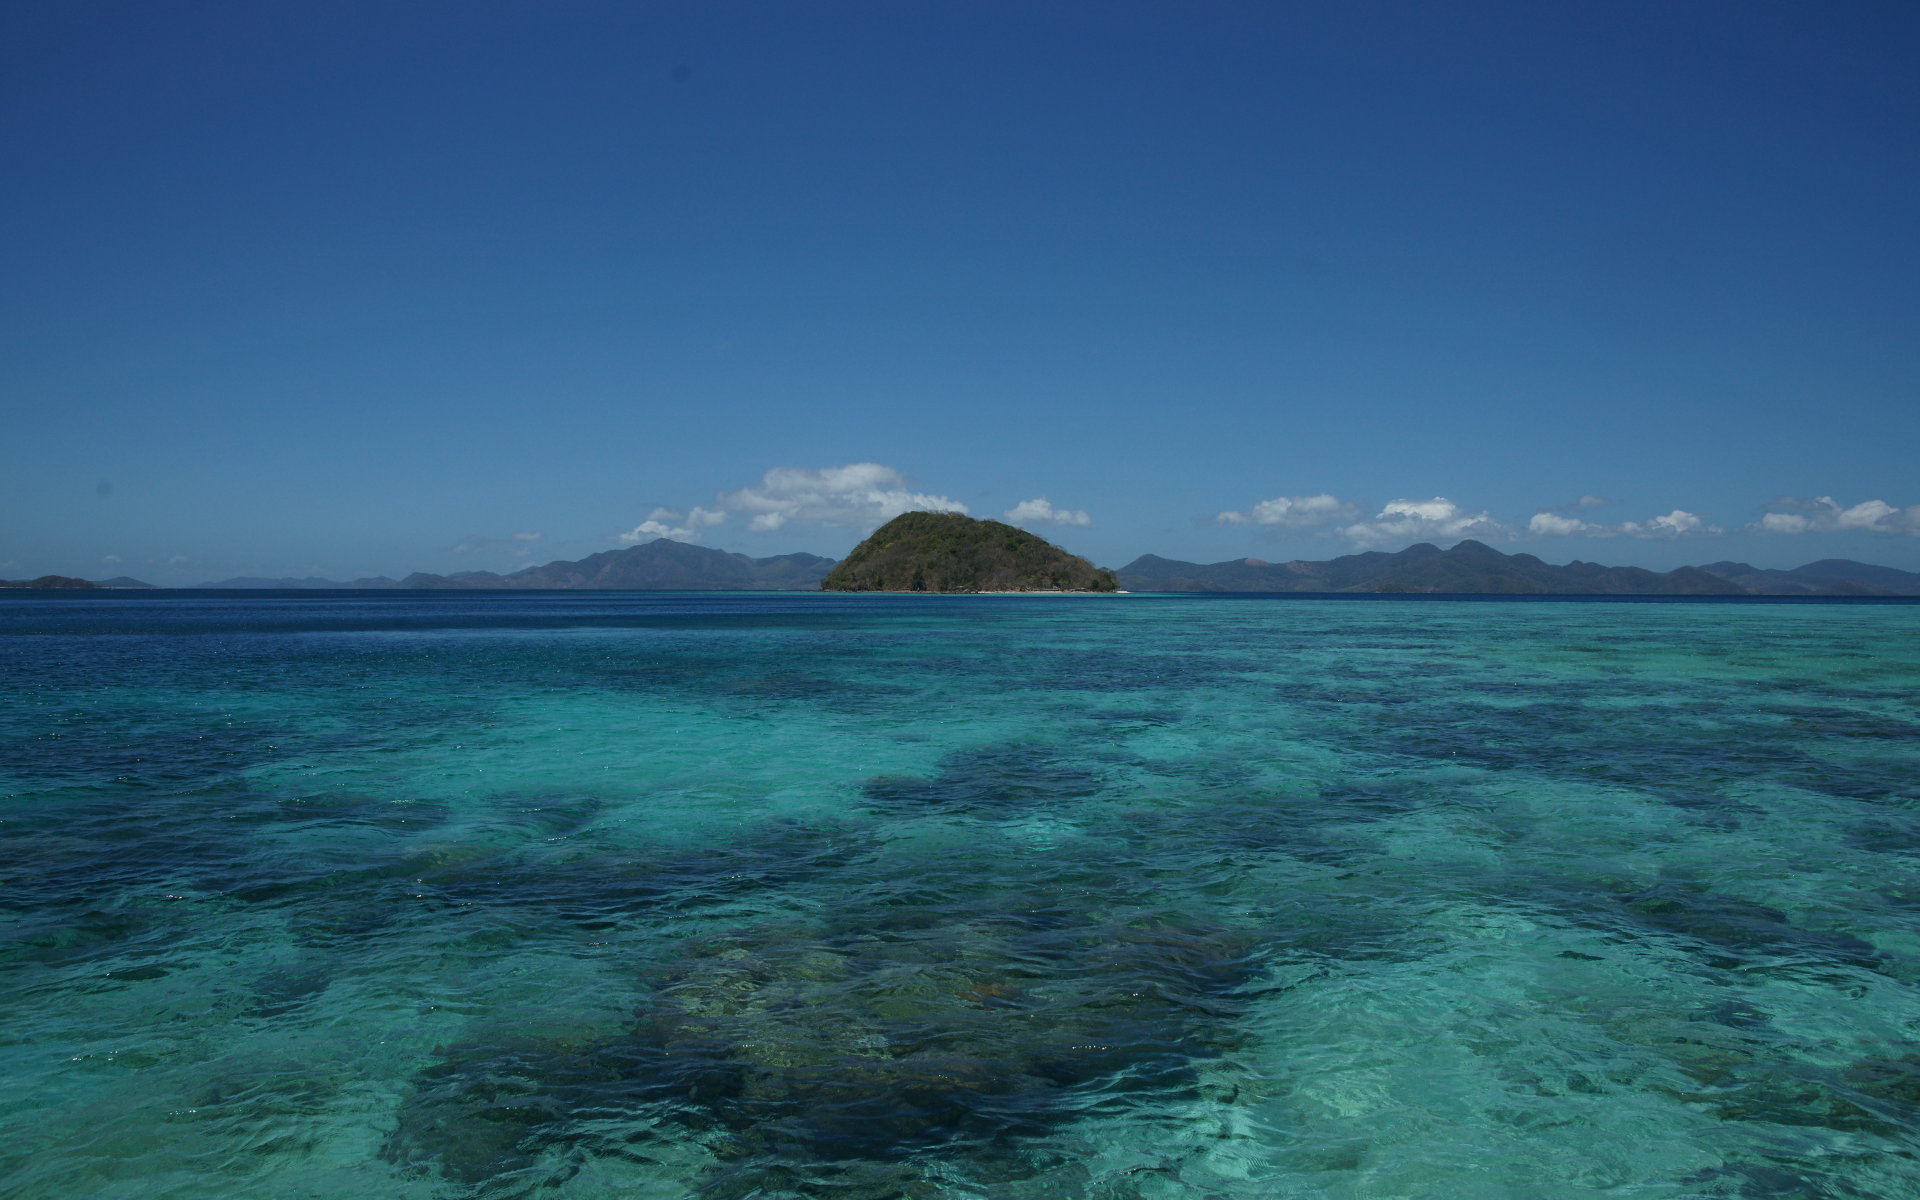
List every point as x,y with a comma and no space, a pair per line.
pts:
947,552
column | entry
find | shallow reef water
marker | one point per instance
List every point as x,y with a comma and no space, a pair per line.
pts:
755,897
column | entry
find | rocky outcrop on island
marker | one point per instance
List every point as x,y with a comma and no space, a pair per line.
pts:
947,552
1469,568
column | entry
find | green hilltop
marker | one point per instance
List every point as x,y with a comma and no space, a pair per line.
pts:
947,552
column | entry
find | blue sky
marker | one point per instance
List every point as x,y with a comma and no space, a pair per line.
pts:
355,288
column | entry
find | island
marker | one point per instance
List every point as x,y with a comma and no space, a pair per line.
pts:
49,581
948,552
119,582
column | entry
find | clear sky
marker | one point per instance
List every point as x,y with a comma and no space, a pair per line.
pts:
351,288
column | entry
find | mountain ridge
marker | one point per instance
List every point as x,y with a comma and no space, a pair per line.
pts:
1474,568
1469,568
120,582
659,565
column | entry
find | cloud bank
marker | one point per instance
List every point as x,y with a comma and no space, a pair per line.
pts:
1823,514
865,495
1397,521
1552,524
1424,520
1678,523
1039,512
671,523
1294,512
859,495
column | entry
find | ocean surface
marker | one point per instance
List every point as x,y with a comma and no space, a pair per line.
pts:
588,896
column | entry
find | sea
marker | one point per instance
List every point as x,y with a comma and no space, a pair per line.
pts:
649,896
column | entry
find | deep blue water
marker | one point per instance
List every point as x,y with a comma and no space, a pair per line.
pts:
643,895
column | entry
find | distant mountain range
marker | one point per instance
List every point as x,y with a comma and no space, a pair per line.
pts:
1468,568
659,565
1828,577
68,581
1474,568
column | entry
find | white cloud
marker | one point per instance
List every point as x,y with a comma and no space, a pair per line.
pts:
1294,512
1551,524
1419,520
1823,514
1868,514
671,523
1678,523
861,495
110,558
528,537
1593,501
647,531
1039,512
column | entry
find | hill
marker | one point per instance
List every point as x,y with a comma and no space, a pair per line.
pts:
1469,568
947,552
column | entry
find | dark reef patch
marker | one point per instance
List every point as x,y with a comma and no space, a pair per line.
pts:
821,1053
997,780
1826,723
136,748
1887,833
1727,932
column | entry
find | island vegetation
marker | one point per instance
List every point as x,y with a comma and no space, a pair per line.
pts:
948,552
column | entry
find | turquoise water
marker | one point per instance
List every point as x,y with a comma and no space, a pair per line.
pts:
596,896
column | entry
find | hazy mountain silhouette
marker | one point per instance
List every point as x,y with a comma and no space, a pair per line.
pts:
1470,568
659,565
